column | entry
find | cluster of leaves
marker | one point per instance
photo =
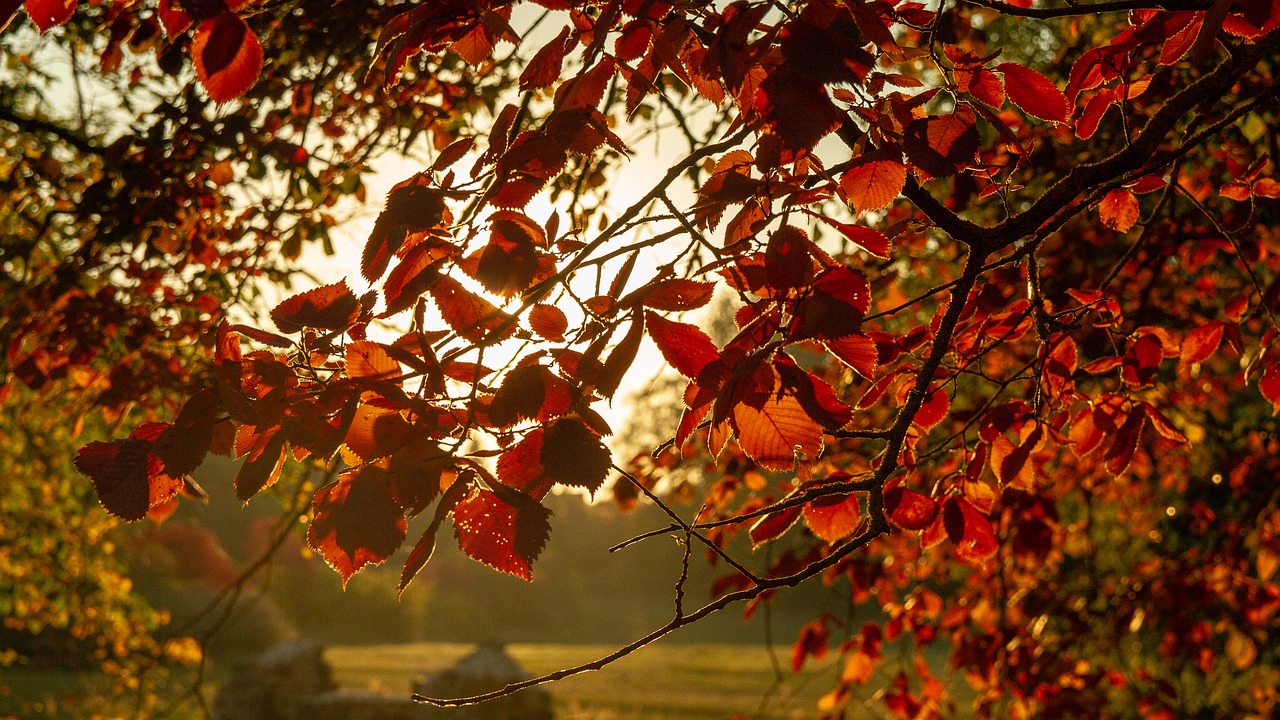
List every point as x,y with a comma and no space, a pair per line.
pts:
1004,336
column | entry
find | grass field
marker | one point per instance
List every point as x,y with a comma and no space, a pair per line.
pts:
661,682
667,682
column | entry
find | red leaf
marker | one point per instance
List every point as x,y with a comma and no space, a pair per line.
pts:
127,476
183,446
531,392
543,68
797,108
1269,385
331,307
857,351
412,206
833,518
982,84
685,347
367,360
416,272
549,322
678,294
356,522
574,455
1180,32
1119,210
873,241
773,525
813,640
942,144
787,263
1125,442
505,532
873,183
1201,343
970,531
909,509
265,456
620,359
934,408
227,56
1034,93
426,545
835,307
772,430
1142,361
470,315
47,14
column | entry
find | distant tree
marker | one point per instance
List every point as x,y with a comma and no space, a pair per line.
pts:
1006,282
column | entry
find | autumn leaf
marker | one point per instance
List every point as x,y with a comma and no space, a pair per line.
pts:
685,347
47,14
127,476
872,183
774,525
970,531
1119,210
773,432
678,294
833,518
549,322
227,57
356,522
1034,93
505,531
909,509
331,307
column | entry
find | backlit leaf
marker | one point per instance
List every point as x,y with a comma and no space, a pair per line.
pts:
1119,210
227,56
872,183
685,347
325,308
833,518
47,14
549,322
1034,93
356,522
506,532
970,531
909,509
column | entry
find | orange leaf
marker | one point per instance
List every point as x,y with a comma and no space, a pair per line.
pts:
326,308
227,56
549,322
857,351
470,315
356,522
370,360
909,509
873,183
833,518
1034,93
1201,343
1119,210
970,531
774,432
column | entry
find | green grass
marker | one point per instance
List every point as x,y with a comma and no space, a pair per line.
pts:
660,682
